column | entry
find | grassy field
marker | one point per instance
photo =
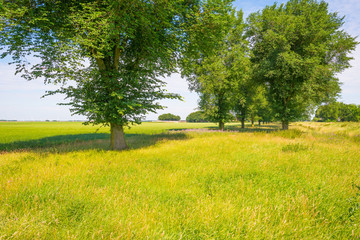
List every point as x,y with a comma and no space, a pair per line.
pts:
60,181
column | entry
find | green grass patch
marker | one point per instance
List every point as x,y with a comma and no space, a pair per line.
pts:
294,147
290,134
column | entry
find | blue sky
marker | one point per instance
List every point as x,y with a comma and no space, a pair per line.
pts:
21,100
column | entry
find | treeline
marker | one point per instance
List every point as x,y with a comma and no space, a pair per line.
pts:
278,64
338,112
169,117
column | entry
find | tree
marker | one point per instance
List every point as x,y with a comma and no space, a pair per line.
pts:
298,48
169,117
328,112
200,63
250,100
198,116
338,111
114,52
215,90
349,112
257,104
211,64
263,108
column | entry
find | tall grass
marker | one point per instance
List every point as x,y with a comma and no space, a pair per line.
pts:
183,185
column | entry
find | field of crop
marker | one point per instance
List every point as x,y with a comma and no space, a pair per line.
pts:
61,181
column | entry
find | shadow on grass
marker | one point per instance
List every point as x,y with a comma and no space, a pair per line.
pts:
256,128
99,141
53,141
235,128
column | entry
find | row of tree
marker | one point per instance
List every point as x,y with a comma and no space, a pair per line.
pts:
280,63
338,112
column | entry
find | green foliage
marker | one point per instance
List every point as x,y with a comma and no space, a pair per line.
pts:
169,117
214,68
298,48
338,111
328,112
198,116
205,31
113,51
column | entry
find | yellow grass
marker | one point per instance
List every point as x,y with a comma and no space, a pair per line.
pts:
255,184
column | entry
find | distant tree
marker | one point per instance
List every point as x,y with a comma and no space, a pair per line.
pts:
264,111
198,116
298,48
349,113
258,104
114,52
338,111
328,112
169,117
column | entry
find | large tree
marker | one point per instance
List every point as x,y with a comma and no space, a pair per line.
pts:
218,63
113,51
215,90
298,48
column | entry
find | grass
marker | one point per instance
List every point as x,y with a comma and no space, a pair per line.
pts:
259,183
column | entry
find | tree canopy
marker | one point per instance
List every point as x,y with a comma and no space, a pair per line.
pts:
338,111
198,116
298,48
114,52
214,67
169,117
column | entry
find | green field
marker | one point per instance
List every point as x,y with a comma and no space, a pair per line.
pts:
61,181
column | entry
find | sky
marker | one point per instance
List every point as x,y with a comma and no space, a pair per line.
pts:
22,100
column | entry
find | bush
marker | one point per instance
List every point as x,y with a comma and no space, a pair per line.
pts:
169,117
198,116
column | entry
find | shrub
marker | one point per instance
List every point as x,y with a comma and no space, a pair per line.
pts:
169,117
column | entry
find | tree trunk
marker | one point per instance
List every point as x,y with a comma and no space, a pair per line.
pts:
221,126
259,122
117,137
285,124
242,122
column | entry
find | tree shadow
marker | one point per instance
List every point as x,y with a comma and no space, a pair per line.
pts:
263,128
267,128
96,141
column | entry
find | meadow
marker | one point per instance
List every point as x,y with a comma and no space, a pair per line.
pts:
59,180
